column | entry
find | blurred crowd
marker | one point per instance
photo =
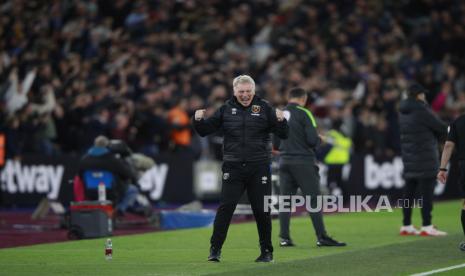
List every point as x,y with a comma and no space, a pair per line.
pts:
136,70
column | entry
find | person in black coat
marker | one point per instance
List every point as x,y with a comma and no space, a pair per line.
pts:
420,132
455,141
246,122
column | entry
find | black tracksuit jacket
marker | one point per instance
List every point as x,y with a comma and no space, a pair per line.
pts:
303,138
246,130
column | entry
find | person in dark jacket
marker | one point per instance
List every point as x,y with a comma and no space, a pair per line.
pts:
124,192
246,122
298,168
455,140
420,132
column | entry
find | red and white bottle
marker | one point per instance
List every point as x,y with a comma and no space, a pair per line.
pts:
102,192
108,250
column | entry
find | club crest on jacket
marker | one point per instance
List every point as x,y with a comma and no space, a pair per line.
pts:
256,109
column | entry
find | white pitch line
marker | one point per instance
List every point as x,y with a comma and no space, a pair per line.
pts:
439,270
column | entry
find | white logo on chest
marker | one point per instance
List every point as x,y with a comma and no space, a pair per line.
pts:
256,110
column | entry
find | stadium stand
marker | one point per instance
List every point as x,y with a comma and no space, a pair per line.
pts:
73,70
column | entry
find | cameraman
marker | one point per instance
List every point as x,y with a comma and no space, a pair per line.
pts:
124,192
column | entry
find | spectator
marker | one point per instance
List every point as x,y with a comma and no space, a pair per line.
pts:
96,53
180,126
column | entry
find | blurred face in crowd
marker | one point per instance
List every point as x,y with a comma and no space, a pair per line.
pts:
244,93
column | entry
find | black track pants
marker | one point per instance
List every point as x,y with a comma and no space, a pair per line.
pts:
238,177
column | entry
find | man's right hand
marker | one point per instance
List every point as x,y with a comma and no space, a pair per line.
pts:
199,114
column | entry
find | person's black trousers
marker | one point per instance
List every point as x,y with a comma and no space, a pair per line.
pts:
307,178
426,187
238,177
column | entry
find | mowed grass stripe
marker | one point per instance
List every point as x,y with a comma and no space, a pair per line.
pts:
184,252
396,259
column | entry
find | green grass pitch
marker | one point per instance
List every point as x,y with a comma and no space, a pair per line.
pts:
374,248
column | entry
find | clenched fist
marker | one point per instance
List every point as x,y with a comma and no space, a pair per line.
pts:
279,115
442,177
199,114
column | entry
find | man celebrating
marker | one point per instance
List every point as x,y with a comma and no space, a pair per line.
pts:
246,122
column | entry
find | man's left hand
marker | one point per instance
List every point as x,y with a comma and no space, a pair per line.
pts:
279,115
442,177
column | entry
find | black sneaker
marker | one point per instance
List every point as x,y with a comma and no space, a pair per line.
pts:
215,255
325,240
462,246
265,257
286,242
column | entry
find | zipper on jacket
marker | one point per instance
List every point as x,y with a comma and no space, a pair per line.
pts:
244,113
